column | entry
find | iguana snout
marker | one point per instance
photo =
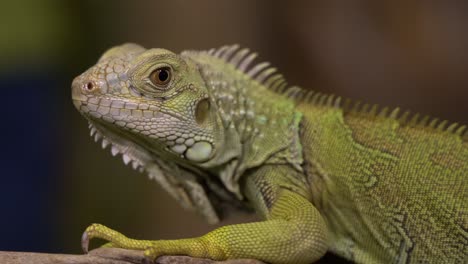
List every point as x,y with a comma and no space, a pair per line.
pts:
84,87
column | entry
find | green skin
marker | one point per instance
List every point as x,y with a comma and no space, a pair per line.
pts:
371,186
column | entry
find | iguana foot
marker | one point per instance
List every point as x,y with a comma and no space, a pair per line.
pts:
115,238
195,247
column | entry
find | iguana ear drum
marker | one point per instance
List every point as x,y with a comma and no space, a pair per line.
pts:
202,111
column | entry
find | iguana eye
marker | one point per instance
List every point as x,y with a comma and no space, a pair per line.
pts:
161,76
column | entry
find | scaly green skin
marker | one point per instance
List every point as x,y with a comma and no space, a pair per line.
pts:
371,186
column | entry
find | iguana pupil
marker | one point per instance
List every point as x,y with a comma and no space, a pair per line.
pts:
160,77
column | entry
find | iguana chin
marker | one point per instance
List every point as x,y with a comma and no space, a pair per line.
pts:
371,185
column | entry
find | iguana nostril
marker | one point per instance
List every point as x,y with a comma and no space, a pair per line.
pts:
89,86
82,86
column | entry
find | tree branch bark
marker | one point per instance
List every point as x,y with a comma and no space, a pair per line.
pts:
105,256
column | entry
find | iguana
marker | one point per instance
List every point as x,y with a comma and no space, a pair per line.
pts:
370,184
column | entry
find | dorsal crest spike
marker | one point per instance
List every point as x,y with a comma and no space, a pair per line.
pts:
364,109
282,87
404,117
330,99
337,103
394,114
257,68
323,99
433,123
308,96
237,58
272,79
374,109
414,120
220,52
265,74
442,125
275,85
452,127
230,50
424,120
356,107
211,51
316,97
293,92
384,112
460,130
244,64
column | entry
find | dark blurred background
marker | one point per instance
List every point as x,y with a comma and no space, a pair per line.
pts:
55,180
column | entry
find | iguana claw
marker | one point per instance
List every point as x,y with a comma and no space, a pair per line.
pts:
85,242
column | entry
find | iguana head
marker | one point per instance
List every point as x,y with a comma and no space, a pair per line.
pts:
154,98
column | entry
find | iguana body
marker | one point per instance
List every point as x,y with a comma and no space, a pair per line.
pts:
371,185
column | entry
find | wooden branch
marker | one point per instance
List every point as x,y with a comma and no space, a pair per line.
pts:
105,256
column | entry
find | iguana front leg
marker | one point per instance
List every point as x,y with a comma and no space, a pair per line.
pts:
293,230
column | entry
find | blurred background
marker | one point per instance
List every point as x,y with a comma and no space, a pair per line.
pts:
55,180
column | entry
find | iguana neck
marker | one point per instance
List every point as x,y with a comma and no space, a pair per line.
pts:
260,125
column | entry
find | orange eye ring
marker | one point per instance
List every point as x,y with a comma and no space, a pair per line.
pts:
161,76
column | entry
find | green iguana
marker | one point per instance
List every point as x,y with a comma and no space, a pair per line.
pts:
370,184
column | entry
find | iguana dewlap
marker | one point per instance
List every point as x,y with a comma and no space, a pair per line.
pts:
370,184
